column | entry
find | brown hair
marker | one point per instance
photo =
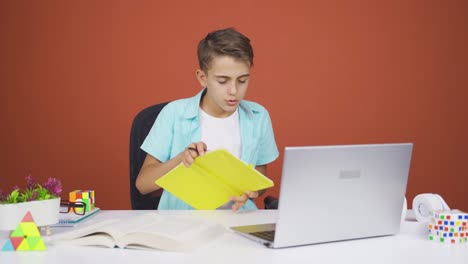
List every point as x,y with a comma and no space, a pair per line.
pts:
227,42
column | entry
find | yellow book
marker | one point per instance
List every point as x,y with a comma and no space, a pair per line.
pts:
212,180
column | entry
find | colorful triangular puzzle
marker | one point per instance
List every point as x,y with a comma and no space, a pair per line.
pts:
26,237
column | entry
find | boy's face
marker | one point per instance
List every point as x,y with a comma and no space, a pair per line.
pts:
226,80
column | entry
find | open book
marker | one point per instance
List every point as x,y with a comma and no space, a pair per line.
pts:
150,231
212,180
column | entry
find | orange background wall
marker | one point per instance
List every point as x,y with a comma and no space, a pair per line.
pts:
74,74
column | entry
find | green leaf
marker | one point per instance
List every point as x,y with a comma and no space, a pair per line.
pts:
13,197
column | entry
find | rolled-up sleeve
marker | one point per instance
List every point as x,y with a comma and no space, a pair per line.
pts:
268,151
158,143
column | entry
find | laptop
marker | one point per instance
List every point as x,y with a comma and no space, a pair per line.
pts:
336,193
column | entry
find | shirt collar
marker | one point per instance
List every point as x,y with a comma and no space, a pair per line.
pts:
193,107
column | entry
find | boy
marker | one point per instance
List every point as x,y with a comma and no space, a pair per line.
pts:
217,117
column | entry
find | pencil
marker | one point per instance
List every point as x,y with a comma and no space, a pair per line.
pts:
194,149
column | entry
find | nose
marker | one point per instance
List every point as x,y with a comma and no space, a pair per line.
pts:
232,88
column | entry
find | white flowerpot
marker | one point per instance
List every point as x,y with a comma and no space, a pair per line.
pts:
44,213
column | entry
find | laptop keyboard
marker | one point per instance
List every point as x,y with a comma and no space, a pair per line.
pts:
267,235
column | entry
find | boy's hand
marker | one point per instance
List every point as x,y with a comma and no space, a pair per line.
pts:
239,201
192,151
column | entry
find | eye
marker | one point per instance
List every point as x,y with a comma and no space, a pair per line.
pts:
243,80
222,80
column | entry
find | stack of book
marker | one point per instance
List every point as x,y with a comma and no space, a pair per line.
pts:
71,219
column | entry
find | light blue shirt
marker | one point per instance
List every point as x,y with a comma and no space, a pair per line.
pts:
178,125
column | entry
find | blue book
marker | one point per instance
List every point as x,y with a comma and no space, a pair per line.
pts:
72,219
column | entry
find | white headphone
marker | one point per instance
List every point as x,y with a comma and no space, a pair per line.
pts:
424,204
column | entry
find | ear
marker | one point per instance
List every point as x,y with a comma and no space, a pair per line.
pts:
201,77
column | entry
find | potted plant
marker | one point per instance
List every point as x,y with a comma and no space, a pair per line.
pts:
43,201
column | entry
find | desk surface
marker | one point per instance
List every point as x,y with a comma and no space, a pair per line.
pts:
409,246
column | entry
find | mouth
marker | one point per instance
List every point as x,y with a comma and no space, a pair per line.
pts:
231,102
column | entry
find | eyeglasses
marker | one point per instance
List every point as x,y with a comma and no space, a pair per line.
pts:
78,208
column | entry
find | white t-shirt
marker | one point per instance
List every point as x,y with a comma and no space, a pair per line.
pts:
221,132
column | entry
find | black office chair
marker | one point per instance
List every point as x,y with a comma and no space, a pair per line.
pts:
140,128
270,202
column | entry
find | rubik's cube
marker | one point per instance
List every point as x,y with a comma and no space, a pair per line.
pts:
85,196
449,227
26,237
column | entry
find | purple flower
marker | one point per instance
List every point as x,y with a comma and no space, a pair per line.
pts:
2,195
16,187
54,186
30,182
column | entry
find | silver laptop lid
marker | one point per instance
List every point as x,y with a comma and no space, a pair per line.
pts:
332,193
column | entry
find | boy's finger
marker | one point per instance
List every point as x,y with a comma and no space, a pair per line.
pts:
241,198
188,159
252,194
237,206
192,152
201,148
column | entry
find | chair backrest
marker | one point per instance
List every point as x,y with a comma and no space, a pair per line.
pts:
270,202
140,128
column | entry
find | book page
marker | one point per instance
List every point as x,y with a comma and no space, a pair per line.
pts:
235,173
96,239
187,183
114,228
172,233
87,231
130,225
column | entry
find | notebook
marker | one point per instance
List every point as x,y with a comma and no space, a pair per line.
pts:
212,179
72,219
336,193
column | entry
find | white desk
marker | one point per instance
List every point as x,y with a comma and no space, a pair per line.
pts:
410,246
